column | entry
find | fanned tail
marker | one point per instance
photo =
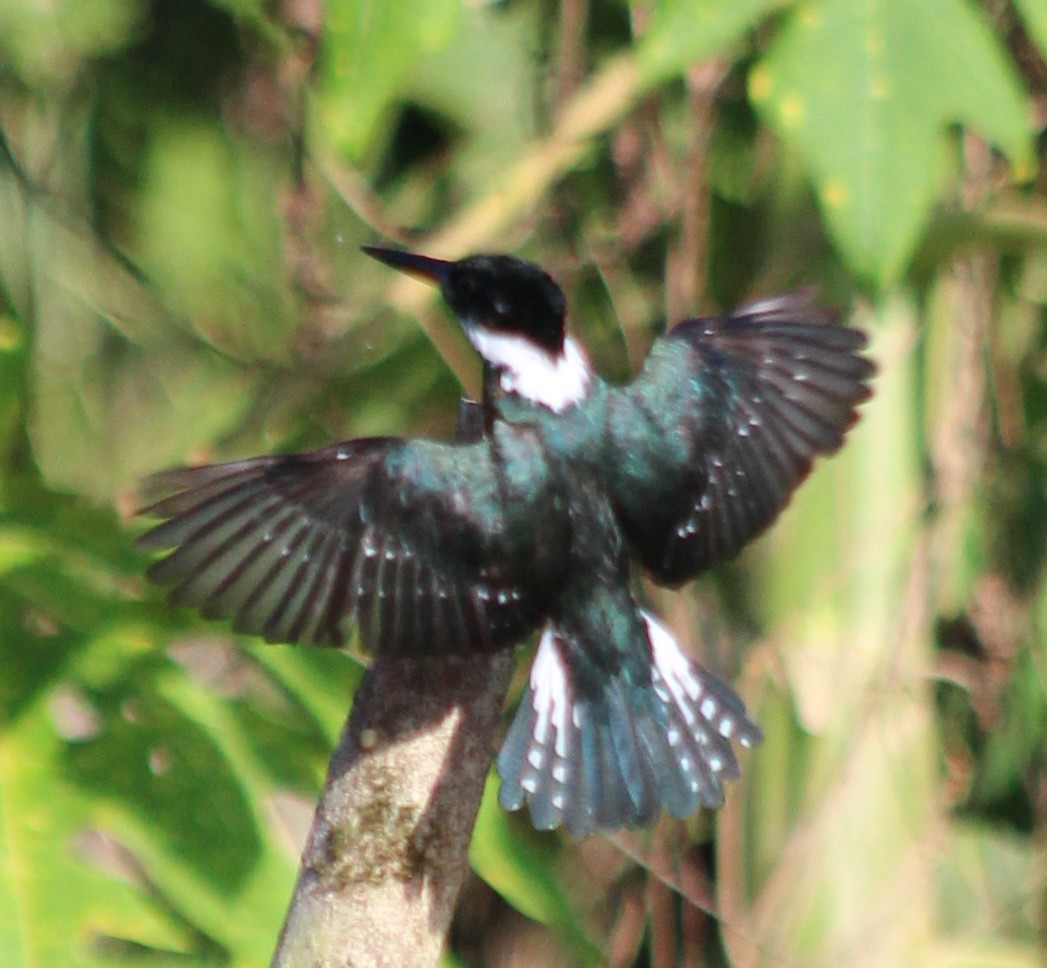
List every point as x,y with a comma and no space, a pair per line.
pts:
597,752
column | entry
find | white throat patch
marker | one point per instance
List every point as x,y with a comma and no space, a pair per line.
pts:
556,382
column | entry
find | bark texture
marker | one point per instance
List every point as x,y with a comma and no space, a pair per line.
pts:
388,848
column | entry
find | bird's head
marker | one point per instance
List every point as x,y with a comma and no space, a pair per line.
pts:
514,315
499,294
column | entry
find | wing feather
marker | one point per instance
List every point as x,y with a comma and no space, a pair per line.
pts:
409,540
742,405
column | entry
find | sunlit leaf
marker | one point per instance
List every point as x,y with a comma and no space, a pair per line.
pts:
45,44
154,761
321,681
865,92
858,754
683,32
210,236
369,49
56,907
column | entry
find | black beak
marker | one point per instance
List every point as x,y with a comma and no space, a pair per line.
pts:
432,270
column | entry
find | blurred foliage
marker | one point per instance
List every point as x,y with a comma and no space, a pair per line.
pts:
183,187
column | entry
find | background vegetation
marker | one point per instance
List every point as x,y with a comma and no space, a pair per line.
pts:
183,187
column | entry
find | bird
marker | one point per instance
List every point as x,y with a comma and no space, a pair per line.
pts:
542,522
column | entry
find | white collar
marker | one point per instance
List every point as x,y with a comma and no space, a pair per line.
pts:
556,381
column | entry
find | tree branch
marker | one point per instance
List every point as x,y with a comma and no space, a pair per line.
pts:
388,848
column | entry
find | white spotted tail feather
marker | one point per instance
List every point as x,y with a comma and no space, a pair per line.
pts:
616,757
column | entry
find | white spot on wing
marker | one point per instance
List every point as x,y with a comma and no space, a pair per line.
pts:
556,381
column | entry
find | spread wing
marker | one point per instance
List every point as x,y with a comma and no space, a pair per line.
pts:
426,546
727,418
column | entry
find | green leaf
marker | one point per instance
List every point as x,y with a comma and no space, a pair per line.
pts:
522,869
208,236
509,863
113,394
685,31
12,373
44,44
171,773
55,909
153,761
321,681
370,47
865,91
106,412
855,752
1013,749
246,919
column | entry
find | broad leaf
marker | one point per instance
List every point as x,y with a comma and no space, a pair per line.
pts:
865,91
56,910
370,47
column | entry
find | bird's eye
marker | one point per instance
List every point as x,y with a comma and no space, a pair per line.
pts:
501,305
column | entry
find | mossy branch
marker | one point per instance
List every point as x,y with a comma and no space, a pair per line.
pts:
388,848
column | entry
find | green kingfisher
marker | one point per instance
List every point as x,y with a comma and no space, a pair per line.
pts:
540,523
